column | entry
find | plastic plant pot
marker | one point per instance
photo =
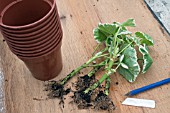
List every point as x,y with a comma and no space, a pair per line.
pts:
42,39
45,67
41,45
26,14
35,34
39,52
4,3
35,49
41,48
48,38
36,39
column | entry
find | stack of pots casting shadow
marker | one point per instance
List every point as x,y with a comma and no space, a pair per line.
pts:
33,32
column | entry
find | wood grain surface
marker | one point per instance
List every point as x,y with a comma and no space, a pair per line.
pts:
24,94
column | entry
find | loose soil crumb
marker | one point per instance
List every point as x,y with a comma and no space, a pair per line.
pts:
38,99
63,17
71,15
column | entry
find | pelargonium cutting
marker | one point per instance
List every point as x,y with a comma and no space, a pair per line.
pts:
119,54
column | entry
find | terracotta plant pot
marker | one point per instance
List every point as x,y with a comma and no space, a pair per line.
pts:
45,67
26,14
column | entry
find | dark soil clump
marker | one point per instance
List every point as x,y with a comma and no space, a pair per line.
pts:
82,100
103,102
94,99
56,90
84,82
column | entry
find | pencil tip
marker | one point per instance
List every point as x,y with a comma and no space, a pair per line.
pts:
127,94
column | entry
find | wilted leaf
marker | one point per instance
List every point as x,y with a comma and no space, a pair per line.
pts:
145,39
129,22
130,59
147,60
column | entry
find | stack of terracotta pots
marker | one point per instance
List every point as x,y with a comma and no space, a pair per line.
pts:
33,32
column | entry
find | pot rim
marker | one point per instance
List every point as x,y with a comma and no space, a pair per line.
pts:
21,31
28,25
33,37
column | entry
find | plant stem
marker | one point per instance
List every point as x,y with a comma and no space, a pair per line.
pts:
115,42
95,85
96,48
96,65
74,72
107,86
96,68
125,47
93,71
109,72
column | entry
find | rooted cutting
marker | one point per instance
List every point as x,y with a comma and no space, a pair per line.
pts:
118,55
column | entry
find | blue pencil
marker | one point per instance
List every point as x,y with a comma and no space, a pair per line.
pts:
145,88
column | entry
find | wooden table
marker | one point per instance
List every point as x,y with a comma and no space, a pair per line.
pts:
78,18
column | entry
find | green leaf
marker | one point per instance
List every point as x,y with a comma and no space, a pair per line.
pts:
108,28
130,22
136,40
126,74
145,39
147,60
126,40
119,41
99,36
130,59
